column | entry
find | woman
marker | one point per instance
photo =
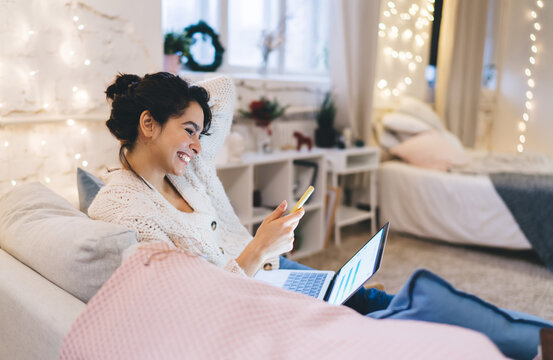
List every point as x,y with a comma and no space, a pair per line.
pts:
168,189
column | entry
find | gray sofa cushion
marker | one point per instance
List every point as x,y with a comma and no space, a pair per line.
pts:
45,232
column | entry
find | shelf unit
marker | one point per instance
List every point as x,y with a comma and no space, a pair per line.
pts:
274,176
347,162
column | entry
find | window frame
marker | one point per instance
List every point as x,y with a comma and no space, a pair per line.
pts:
222,24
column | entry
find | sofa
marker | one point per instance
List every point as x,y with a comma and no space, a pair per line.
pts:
56,265
53,259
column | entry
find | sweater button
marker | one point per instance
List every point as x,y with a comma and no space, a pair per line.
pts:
214,225
268,266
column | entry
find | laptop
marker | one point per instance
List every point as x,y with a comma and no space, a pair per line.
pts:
335,288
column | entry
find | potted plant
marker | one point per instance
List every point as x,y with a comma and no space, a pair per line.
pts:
325,135
264,111
175,47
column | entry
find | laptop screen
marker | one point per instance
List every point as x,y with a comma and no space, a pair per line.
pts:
357,270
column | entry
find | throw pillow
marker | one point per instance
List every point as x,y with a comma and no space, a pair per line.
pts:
88,186
404,123
388,140
453,140
427,297
45,232
419,109
430,150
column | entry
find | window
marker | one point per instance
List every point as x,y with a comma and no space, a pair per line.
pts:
303,24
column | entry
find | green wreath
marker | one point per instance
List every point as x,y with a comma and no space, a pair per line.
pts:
206,30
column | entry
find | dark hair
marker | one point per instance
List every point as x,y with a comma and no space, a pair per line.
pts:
163,94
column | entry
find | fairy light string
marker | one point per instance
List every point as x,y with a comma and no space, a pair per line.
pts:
534,51
80,96
408,30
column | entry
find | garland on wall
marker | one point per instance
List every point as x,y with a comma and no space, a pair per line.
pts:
529,74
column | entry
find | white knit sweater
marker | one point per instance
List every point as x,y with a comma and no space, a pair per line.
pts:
213,230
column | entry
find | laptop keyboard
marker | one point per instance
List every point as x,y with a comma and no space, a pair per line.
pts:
308,283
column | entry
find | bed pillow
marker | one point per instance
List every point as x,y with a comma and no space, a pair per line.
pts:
45,232
419,109
88,186
388,139
427,297
453,140
430,150
404,123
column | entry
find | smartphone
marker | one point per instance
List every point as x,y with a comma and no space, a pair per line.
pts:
303,199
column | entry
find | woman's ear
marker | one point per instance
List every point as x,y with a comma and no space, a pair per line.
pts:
147,125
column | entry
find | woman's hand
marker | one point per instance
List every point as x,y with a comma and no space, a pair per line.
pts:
275,236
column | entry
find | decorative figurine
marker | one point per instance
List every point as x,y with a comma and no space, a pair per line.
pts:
303,140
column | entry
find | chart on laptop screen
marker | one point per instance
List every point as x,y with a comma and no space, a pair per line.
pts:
356,271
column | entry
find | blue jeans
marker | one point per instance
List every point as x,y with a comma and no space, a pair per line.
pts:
364,301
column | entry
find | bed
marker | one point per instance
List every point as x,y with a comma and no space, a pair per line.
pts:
432,187
457,208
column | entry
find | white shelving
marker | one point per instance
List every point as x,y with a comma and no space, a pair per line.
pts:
348,162
273,175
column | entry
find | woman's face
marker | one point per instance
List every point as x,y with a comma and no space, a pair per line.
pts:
179,140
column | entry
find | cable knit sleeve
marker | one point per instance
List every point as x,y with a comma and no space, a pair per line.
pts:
222,98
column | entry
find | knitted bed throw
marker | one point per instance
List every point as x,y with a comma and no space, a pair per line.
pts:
530,200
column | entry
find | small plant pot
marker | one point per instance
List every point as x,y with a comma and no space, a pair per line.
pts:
171,64
325,137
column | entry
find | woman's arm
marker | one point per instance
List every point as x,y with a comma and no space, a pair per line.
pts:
222,98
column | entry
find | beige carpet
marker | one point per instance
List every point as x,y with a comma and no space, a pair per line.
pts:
511,279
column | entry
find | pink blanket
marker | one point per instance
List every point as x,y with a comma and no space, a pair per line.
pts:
180,306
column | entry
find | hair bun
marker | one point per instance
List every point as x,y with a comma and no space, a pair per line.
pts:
121,85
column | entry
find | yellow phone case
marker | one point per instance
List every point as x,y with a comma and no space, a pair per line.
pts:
303,199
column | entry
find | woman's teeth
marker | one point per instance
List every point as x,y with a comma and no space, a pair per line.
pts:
183,157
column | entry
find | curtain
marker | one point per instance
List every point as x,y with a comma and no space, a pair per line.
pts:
352,62
460,57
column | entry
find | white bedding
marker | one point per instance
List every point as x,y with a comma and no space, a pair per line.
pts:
455,208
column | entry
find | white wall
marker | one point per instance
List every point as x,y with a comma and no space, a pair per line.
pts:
42,61
513,59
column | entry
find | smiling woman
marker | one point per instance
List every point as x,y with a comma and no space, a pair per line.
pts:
160,116
168,189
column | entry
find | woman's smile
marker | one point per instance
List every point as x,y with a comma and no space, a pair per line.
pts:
184,157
